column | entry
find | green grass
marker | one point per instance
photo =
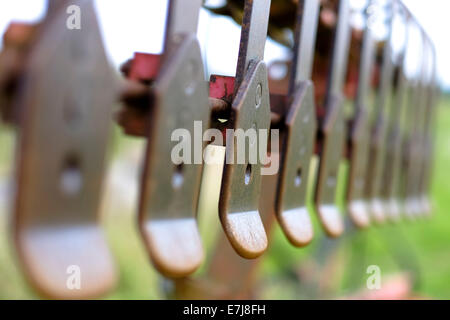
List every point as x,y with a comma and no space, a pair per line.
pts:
420,248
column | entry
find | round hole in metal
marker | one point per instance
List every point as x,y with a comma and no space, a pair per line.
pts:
71,179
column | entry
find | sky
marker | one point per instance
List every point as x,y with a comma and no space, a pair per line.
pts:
137,25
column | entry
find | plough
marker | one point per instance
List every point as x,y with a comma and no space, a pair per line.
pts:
58,90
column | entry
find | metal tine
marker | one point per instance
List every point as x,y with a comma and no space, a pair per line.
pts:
340,54
236,280
228,275
297,134
332,130
305,40
392,164
416,153
250,109
61,158
365,65
359,135
182,19
427,134
421,199
408,150
253,36
379,130
410,171
169,193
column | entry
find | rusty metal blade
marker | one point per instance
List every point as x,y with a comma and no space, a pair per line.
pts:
365,70
297,148
339,58
426,165
169,191
379,131
298,133
333,130
392,175
66,100
241,183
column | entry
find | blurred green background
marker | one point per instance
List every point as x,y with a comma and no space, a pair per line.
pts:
419,249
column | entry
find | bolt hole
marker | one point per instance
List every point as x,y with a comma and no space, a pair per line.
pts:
248,174
178,176
71,180
298,177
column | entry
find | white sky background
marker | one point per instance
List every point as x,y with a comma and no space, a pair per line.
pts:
137,25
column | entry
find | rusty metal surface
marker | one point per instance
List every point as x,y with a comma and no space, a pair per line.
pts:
230,276
176,99
64,131
413,134
298,132
238,206
167,208
391,179
241,183
333,131
182,19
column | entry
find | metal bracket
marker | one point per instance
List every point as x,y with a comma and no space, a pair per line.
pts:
241,183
